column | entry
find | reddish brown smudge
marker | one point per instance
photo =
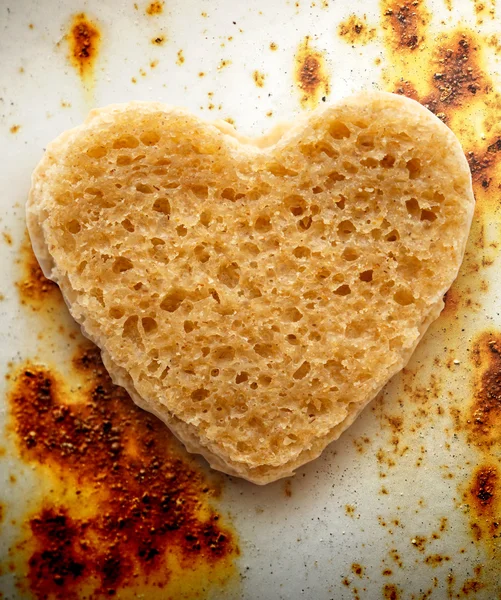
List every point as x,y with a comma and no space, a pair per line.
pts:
311,74
357,569
159,40
408,21
84,40
7,238
35,290
484,421
356,31
155,8
391,592
136,499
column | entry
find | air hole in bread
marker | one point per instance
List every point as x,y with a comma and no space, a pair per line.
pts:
97,152
366,276
293,314
327,149
144,188
343,290
228,194
81,266
302,252
365,141
94,192
296,205
393,236
428,215
280,170
241,377
205,218
214,373
345,229
403,297
200,394
387,161
338,130
413,207
263,224
223,354
131,331
215,295
126,224
150,138
181,230
116,312
74,226
314,336
123,160
162,205
149,324
173,300
317,189
350,168
138,285
254,292
264,380
157,241
200,191
264,350
335,176
122,264
414,167
292,339
201,254
369,162
126,141
229,274
323,273
189,326
350,254
303,370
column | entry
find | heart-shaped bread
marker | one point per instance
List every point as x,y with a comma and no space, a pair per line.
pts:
254,295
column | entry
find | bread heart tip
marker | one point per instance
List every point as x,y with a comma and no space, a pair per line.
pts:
254,294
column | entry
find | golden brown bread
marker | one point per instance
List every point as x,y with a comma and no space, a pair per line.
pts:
255,295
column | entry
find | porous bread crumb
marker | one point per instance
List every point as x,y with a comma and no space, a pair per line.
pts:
255,296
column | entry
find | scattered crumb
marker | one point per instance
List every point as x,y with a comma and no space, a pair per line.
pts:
159,40
269,113
180,58
15,128
201,74
204,14
273,46
134,80
224,63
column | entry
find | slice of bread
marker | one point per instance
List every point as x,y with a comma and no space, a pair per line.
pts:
254,295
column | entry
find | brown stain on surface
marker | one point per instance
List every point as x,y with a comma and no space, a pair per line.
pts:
159,40
259,78
356,31
310,74
155,8
129,510
14,129
35,290
406,21
84,39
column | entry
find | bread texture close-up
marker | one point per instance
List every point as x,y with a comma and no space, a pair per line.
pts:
255,295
